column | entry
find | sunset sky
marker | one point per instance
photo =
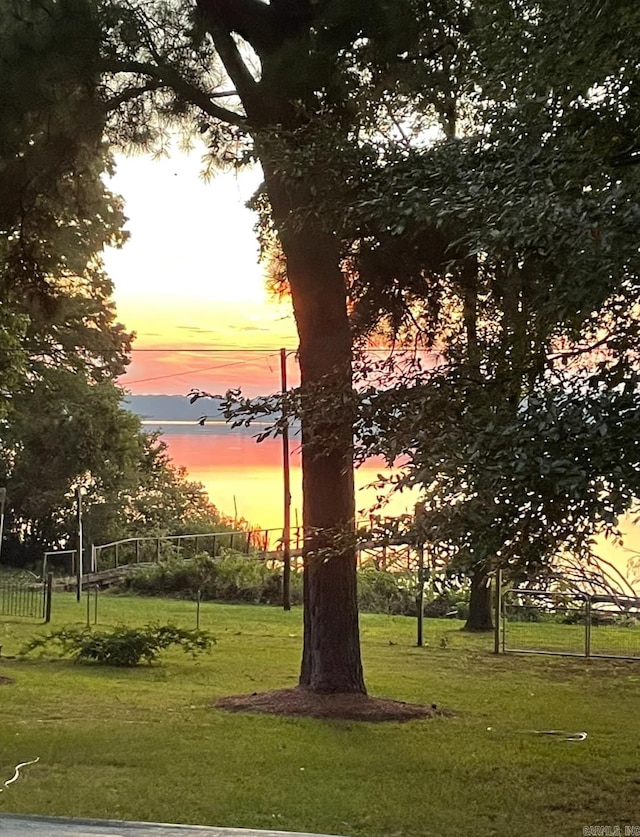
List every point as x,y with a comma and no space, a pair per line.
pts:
189,279
189,284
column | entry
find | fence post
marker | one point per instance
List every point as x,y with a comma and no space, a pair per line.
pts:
47,598
420,597
498,611
587,626
137,551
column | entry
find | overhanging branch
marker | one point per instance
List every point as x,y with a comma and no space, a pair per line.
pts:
234,64
166,77
132,93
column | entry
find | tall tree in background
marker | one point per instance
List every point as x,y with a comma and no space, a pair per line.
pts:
61,347
279,83
55,213
62,343
541,200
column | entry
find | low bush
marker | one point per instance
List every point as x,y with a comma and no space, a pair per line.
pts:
380,591
120,646
232,577
235,577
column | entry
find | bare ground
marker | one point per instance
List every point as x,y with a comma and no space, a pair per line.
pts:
349,707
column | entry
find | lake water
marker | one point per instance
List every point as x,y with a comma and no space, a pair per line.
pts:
244,480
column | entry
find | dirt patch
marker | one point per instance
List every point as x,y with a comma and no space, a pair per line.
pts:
348,707
4,681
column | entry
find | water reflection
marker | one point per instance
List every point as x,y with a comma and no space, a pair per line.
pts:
244,480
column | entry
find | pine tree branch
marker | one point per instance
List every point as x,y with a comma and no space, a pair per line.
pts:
166,77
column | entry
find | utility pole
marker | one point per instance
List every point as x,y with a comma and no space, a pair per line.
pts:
79,544
418,523
3,497
286,474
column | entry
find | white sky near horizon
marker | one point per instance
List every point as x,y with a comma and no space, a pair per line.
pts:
189,272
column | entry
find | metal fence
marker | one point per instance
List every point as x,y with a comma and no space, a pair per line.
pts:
142,550
578,624
267,543
30,599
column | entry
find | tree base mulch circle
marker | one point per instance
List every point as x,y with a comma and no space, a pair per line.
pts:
343,706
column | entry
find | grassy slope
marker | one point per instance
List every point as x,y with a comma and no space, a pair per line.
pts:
145,744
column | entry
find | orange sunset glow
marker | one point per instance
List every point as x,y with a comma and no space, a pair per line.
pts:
189,278
189,284
244,478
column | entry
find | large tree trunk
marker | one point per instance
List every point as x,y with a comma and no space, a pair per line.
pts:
331,660
278,107
480,602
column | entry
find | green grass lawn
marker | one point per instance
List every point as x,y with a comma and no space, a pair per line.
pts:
145,743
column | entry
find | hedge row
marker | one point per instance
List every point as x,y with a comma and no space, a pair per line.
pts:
239,578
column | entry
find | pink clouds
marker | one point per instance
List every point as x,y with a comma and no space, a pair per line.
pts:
177,371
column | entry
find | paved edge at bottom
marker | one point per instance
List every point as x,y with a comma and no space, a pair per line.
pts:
16,825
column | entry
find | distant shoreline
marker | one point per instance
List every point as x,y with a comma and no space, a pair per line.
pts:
214,426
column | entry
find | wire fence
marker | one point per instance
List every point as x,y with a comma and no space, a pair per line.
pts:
267,544
551,621
151,549
579,624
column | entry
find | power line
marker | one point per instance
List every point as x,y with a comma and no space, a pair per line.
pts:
184,372
270,352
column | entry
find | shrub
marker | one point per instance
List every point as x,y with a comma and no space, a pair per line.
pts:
451,602
235,577
121,646
380,591
232,577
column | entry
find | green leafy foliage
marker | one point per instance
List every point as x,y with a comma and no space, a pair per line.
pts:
232,577
121,645
521,437
242,578
380,591
518,484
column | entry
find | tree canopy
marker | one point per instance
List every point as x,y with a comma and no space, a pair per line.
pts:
516,437
61,346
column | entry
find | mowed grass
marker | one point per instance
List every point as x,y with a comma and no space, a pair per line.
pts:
145,743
